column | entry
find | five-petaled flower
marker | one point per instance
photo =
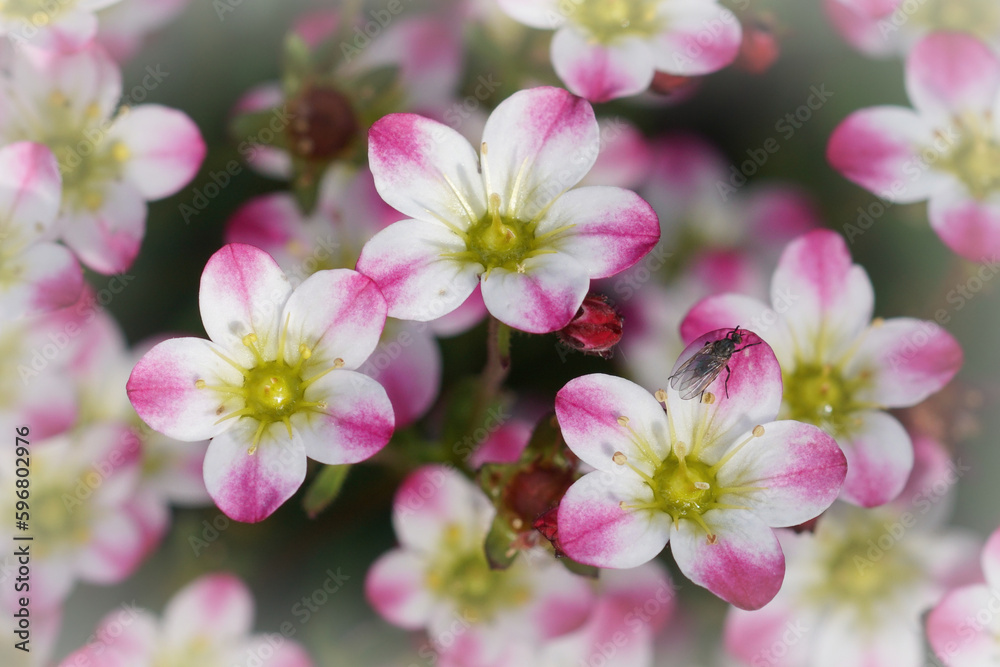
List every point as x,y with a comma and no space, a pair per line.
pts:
274,384
506,216
439,578
841,368
605,49
712,475
946,152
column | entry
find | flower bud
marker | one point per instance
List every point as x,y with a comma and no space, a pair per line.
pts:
323,123
596,328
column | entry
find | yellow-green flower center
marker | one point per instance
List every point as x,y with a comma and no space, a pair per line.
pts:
463,576
497,241
976,157
39,12
198,652
863,568
682,484
272,391
607,21
684,489
819,394
88,159
980,18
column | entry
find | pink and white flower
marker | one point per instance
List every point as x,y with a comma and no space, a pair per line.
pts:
64,26
841,370
113,159
946,151
36,275
856,588
964,627
505,217
83,484
208,622
711,476
439,579
604,49
276,382
631,609
882,28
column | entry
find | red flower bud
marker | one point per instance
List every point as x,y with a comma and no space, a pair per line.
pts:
759,48
596,328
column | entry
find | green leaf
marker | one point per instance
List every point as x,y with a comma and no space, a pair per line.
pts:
499,541
588,571
324,489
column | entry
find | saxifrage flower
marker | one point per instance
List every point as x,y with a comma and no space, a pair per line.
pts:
275,383
710,475
605,49
506,216
947,151
841,369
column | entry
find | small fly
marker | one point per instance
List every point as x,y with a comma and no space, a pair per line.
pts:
695,374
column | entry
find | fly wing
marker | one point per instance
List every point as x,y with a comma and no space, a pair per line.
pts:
695,374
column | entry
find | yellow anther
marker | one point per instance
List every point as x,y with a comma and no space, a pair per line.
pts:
758,431
623,421
660,396
304,351
708,398
120,152
338,363
620,458
199,384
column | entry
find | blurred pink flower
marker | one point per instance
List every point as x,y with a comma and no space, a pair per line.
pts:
276,382
208,622
964,627
840,369
882,28
946,151
513,226
711,475
604,49
113,159
36,275
439,579
51,26
856,588
82,518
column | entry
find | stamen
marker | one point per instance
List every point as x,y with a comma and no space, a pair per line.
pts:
251,342
757,432
640,442
256,439
486,169
232,363
708,398
236,413
619,458
516,190
282,337
661,396
460,197
337,363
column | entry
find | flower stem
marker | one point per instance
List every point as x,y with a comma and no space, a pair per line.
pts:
494,372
